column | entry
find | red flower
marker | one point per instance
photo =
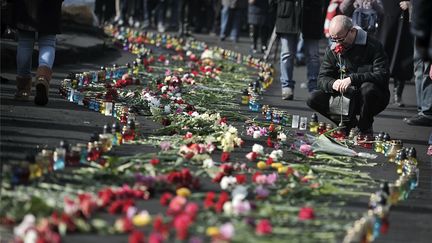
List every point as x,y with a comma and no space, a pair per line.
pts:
241,178
159,226
223,120
181,224
339,48
255,175
218,177
263,227
269,161
226,169
225,156
115,207
208,201
155,238
165,198
136,237
154,161
223,197
270,142
306,213
191,209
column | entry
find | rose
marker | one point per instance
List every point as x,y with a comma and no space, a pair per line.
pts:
306,213
339,49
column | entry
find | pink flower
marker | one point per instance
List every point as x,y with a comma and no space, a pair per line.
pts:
263,227
306,213
155,238
165,145
271,179
227,231
251,156
191,209
176,205
306,149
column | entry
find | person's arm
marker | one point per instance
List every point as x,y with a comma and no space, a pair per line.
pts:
328,72
347,7
379,74
377,5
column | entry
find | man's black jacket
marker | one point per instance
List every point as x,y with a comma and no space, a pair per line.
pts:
365,61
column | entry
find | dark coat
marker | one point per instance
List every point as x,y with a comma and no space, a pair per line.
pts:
299,16
401,55
364,63
235,3
42,16
258,12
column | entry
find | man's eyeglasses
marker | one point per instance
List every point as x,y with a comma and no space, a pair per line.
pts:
342,39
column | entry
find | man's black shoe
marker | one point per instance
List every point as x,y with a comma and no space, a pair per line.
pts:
419,121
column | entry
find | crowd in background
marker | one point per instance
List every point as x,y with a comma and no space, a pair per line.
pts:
299,25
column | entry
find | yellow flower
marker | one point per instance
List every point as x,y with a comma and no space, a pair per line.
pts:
261,165
141,219
183,192
282,169
212,231
276,165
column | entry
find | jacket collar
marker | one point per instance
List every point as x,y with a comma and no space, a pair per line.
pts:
361,36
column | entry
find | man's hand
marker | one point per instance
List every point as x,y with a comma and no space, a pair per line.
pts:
344,84
336,84
341,85
404,5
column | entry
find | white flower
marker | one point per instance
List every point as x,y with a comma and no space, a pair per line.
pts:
228,182
195,114
154,102
232,130
31,236
239,193
276,154
282,137
256,134
228,208
164,88
167,109
241,207
259,149
28,222
208,163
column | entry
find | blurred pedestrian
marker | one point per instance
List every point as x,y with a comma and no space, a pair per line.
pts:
105,10
231,18
398,43
422,29
36,20
364,13
258,10
292,18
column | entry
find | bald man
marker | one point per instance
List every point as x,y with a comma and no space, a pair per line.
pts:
366,78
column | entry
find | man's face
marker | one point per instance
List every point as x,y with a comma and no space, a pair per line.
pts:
342,36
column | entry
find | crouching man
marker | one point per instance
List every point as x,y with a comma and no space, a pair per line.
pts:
365,76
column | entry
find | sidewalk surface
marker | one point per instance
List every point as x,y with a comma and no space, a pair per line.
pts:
28,128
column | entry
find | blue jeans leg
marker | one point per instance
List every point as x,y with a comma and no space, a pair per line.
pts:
311,48
288,52
423,85
224,20
237,15
26,41
47,45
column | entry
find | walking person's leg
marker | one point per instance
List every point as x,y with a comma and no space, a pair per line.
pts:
24,63
47,45
311,50
287,55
